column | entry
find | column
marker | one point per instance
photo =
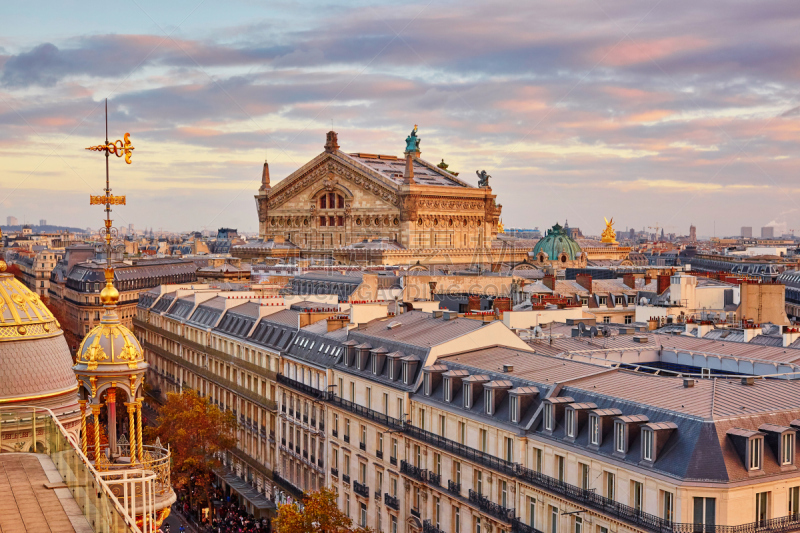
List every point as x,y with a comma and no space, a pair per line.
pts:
84,438
33,424
139,442
96,413
132,423
111,403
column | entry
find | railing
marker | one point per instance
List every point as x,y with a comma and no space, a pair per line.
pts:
301,387
379,454
335,472
362,445
453,487
393,460
489,507
347,438
391,501
412,471
335,433
518,526
361,490
415,512
428,527
378,495
435,479
156,459
92,491
346,478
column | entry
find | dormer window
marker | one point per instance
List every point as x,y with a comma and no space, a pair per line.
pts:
647,445
594,430
619,437
489,401
570,423
375,366
787,449
467,395
405,373
426,384
548,416
756,453
514,408
447,388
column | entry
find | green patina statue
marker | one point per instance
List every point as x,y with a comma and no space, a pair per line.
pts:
412,141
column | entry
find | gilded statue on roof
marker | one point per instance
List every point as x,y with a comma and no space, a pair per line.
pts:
609,236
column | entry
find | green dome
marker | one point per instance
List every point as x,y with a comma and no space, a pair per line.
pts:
556,243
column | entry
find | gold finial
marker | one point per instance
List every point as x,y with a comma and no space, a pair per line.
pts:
500,227
3,266
118,148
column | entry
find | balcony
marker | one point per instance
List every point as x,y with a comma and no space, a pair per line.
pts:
347,438
379,454
489,507
361,490
335,472
428,527
321,425
291,412
283,408
305,419
346,478
335,433
301,387
393,460
378,495
362,445
412,471
320,462
435,479
283,441
415,512
391,502
313,459
314,422
297,449
305,454
453,487
517,526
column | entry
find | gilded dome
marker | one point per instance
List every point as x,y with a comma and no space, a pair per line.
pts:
110,345
557,246
35,363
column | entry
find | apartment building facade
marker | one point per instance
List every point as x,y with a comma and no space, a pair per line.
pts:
438,423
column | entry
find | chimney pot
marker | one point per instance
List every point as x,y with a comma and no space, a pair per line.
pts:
688,383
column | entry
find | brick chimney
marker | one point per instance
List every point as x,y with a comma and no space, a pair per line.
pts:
585,281
331,141
663,283
629,280
549,281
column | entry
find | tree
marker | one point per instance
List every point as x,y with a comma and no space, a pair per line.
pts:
320,514
197,432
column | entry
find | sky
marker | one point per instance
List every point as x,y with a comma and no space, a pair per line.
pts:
656,113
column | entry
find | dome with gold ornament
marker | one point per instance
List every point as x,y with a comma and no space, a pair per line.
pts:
110,347
22,312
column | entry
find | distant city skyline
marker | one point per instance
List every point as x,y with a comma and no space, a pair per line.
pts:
647,112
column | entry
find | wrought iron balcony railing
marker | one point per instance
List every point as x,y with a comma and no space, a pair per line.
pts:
391,501
412,471
361,490
453,487
489,507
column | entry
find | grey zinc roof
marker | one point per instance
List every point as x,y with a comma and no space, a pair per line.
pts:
417,328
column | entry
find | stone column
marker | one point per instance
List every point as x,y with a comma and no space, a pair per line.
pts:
132,423
111,403
96,413
84,438
139,442
33,428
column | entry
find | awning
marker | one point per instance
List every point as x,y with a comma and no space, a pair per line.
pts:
245,490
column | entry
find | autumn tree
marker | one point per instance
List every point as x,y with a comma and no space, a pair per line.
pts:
197,432
320,514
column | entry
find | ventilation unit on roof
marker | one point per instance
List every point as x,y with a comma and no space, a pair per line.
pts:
393,325
508,368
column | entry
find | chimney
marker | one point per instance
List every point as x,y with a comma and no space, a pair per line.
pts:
337,322
501,304
332,142
790,335
474,303
265,177
549,281
585,281
652,323
663,283
750,331
688,383
629,280
408,175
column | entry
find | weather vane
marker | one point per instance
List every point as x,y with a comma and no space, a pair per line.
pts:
118,148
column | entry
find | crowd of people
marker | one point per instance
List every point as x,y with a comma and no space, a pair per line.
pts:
227,517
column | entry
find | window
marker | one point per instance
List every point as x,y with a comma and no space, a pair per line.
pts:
584,470
619,437
629,319
406,373
352,391
794,500
509,449
762,498
578,524
504,493
380,443
514,407
484,443
637,495
610,485
418,455
705,511
477,525
606,320
488,401
437,464
335,458
447,389
553,519
531,511
347,429
394,524
394,449
570,421
756,446
548,416
364,435
400,413
457,472
426,383
667,506
462,432
479,482
560,467
437,516
647,444
538,460
364,515
442,425
456,520
368,395
347,505
468,396
787,449
385,403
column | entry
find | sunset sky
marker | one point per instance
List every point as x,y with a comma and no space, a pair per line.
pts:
667,112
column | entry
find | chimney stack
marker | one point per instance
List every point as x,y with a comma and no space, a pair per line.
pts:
629,280
549,281
585,281
408,175
332,142
663,283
